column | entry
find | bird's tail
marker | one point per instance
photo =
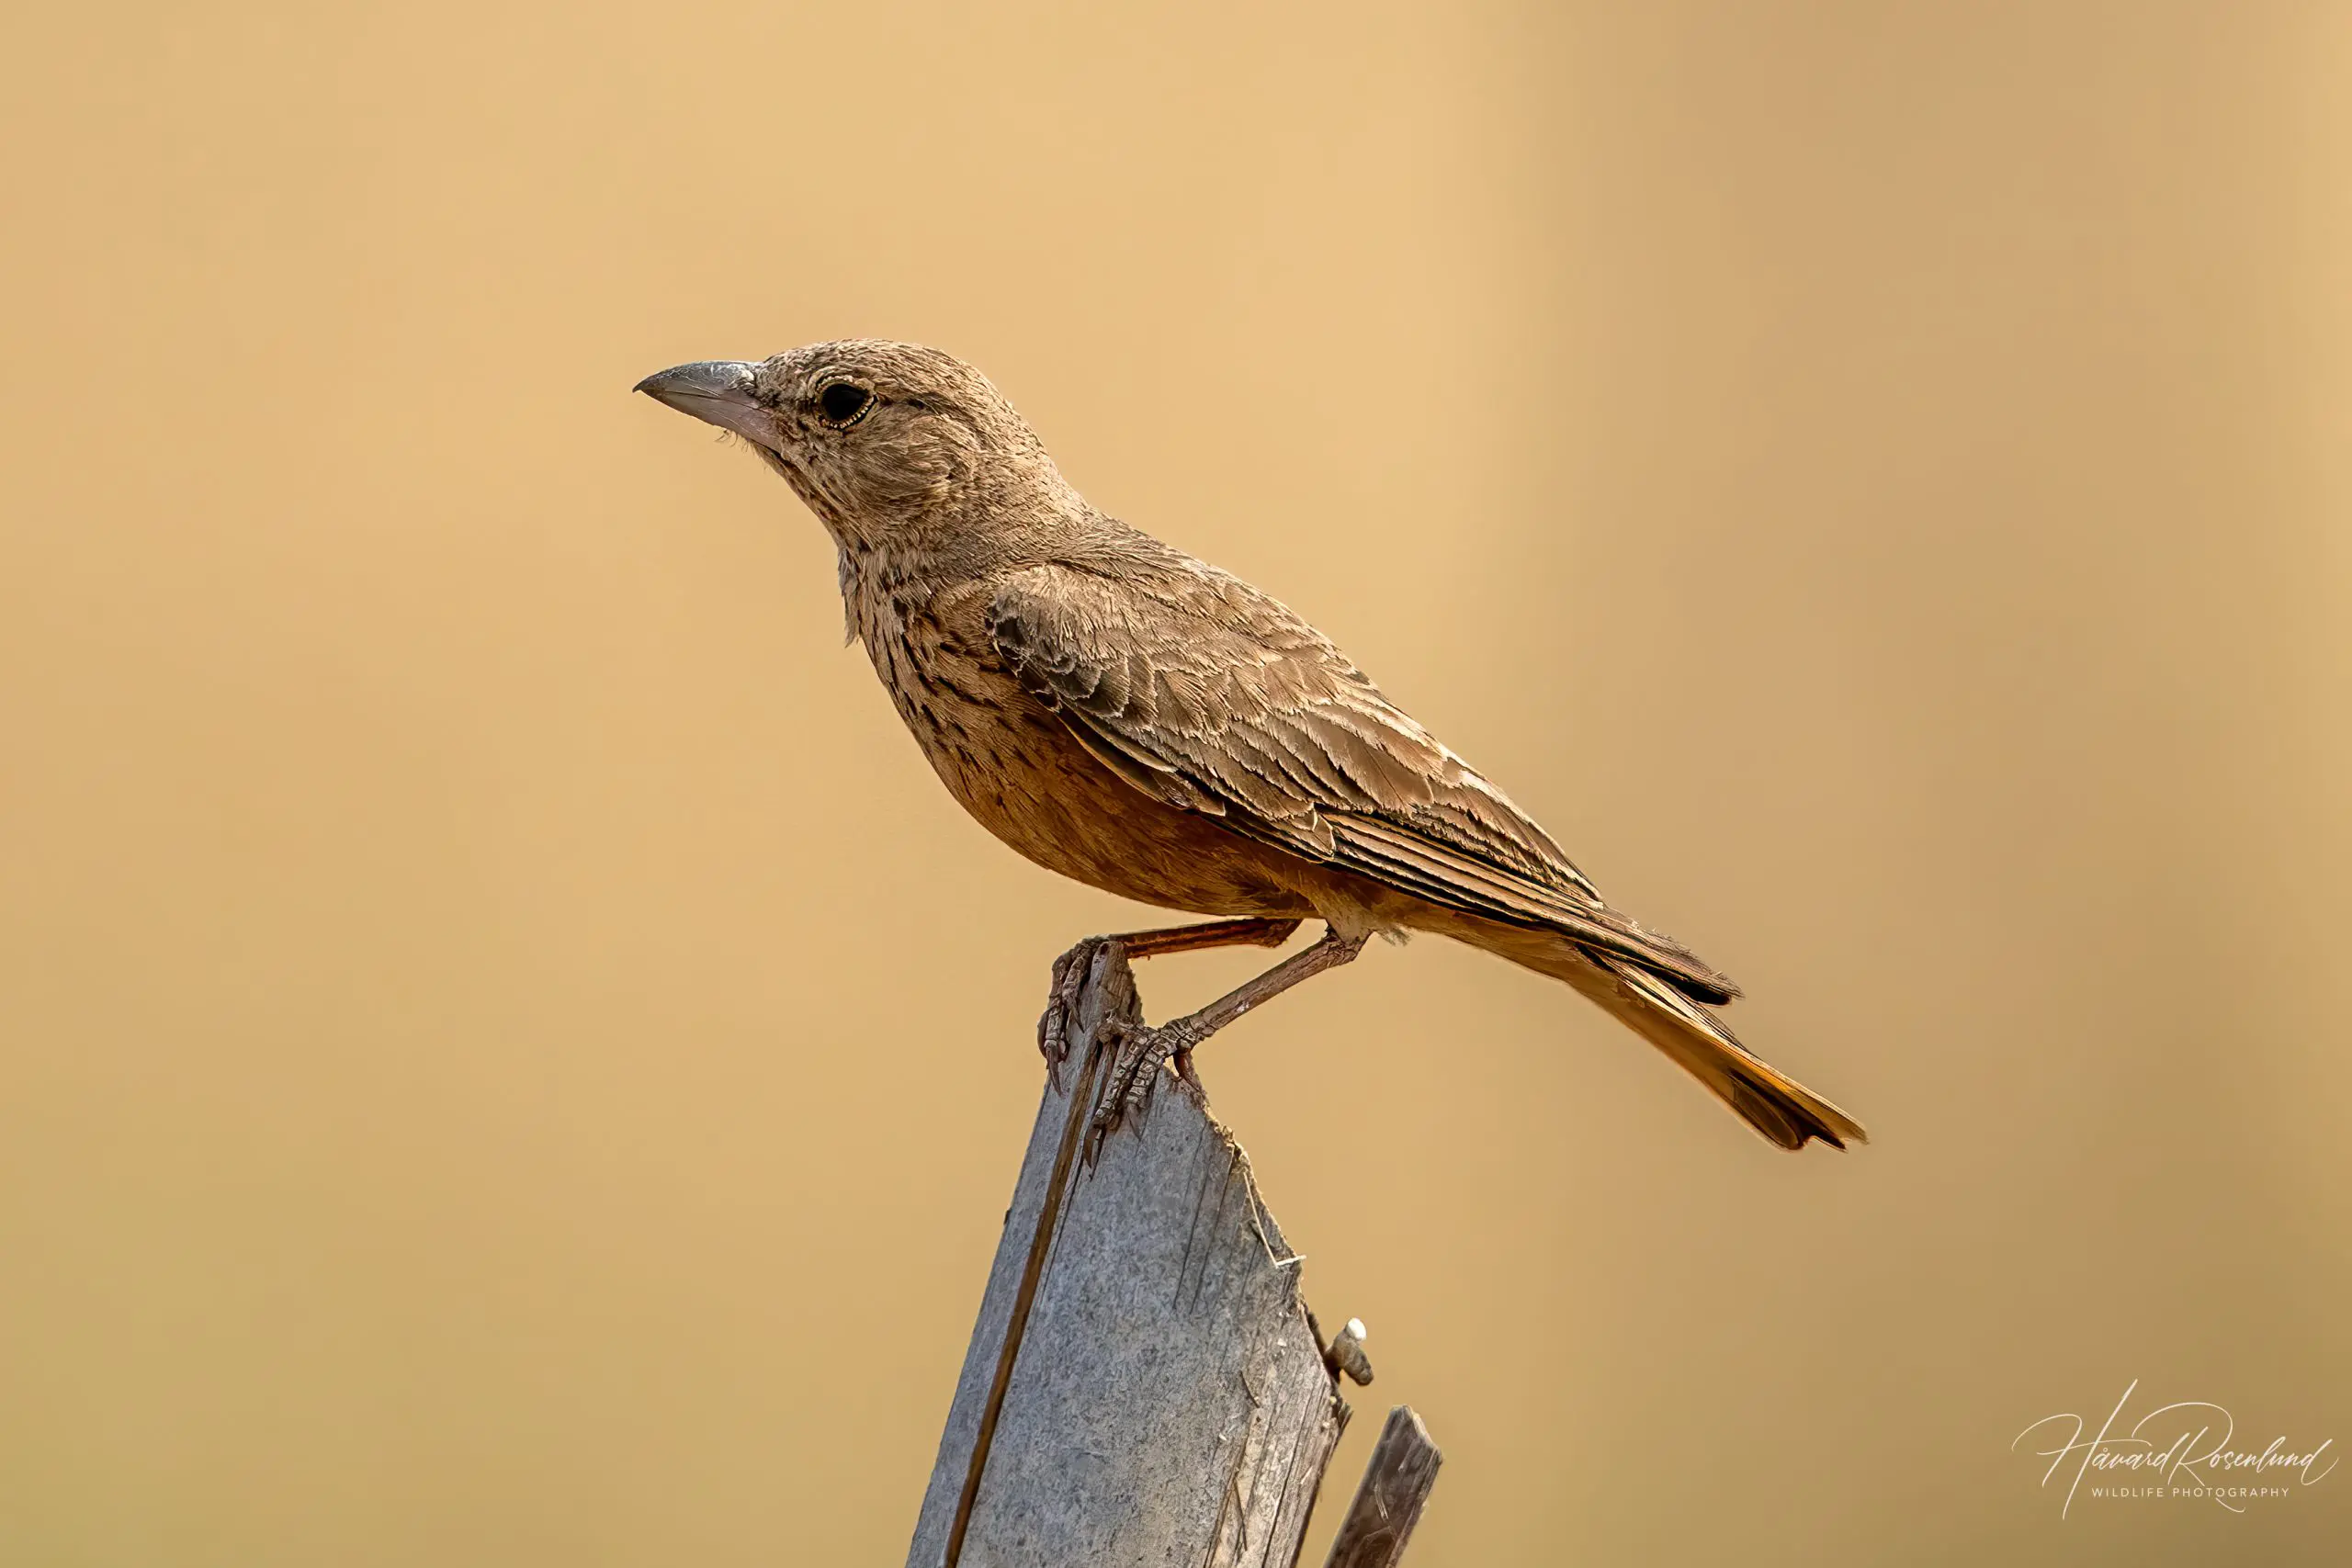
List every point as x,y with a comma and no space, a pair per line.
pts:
1698,1041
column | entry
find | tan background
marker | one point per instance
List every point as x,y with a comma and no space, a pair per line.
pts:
1872,479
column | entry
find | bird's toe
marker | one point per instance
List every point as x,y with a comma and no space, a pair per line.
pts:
1058,1026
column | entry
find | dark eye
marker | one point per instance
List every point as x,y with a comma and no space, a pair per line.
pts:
842,403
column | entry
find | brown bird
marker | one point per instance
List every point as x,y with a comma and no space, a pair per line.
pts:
1126,715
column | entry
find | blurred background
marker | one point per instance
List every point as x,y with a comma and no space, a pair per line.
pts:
507,1055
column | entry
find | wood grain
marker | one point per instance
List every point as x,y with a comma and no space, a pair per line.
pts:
1388,1502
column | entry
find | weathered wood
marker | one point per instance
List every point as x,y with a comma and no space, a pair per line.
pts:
1143,1386
1388,1502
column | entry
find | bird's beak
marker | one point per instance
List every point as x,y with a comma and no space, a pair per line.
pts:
717,391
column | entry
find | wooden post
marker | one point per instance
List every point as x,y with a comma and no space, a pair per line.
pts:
1145,1385
1388,1502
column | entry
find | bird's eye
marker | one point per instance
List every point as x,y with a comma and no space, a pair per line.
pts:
844,404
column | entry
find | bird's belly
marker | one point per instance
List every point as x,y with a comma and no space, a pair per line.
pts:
1013,766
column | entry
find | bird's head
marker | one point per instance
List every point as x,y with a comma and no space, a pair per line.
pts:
882,440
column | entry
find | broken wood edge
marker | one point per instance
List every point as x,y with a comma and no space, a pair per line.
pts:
1387,1504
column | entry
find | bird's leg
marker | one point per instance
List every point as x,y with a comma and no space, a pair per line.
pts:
1135,1067
1054,1025
1250,931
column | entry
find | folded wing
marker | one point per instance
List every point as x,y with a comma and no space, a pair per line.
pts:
1204,693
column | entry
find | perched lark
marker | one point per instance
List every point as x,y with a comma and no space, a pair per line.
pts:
1126,715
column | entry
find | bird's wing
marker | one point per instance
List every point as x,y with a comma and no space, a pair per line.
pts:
1207,694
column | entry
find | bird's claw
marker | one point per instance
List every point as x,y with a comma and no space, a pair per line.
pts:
1135,1051
1139,1052
1057,1028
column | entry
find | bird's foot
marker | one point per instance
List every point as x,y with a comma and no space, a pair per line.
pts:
1139,1052
1057,1027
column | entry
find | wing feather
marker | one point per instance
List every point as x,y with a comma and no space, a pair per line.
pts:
1200,690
